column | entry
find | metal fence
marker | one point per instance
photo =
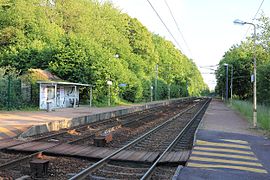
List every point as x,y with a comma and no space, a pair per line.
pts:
16,94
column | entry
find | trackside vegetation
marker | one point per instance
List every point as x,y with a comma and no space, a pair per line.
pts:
241,58
263,112
89,42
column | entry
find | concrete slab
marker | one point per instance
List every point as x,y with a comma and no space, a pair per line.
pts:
13,123
227,148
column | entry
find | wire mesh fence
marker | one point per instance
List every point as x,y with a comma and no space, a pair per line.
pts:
16,93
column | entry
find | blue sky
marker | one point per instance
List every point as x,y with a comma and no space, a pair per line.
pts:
207,25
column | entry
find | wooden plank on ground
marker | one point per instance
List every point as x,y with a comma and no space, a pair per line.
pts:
121,155
77,149
146,156
93,151
58,149
9,142
39,147
21,147
177,157
100,153
66,149
137,156
153,157
84,152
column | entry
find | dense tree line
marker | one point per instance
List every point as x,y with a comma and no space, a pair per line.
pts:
241,58
88,42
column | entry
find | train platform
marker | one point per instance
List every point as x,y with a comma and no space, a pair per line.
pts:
226,147
24,123
13,123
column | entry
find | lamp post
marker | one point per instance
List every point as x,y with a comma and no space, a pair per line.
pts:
109,92
156,82
151,93
237,21
169,84
231,83
226,95
186,88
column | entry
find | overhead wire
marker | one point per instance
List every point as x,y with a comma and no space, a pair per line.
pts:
258,9
164,24
178,28
254,17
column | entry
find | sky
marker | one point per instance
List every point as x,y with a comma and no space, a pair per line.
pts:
206,25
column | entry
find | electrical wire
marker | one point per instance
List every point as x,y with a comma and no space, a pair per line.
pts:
164,24
177,25
254,17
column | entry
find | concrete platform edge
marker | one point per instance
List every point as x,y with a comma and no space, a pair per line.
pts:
68,123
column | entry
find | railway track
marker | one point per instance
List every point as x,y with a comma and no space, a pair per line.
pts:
128,121
165,139
77,134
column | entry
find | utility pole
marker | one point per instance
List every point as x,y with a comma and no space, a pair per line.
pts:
156,82
169,84
187,89
151,93
232,84
227,89
109,92
237,21
9,91
90,96
169,91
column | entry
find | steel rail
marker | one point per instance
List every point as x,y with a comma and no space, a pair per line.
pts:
101,122
25,158
121,123
22,159
151,169
84,173
94,123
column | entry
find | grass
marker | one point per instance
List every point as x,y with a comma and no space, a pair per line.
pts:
263,113
24,108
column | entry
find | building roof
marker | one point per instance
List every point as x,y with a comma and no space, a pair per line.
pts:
41,74
63,83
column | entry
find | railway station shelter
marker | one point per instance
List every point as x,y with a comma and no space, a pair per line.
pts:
58,94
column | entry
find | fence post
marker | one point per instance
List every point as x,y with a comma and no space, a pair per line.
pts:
9,91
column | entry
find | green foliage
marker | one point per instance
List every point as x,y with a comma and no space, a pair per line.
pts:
264,83
88,42
10,96
176,69
263,114
241,57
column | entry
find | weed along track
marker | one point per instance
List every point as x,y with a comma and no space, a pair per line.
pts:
150,143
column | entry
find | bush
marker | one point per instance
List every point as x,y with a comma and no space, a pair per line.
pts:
263,113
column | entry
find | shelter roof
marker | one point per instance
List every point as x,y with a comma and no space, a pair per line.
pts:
63,83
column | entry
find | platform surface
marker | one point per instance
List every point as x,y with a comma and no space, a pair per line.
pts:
226,147
12,123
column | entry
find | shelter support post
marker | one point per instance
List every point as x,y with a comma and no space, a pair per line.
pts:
91,96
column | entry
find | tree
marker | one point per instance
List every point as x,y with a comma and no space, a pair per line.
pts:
88,42
241,57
